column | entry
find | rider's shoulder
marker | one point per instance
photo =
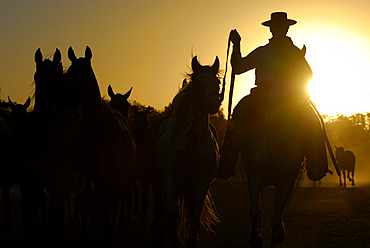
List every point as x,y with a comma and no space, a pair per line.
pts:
263,49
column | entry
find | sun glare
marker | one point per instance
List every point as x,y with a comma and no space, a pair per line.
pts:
341,79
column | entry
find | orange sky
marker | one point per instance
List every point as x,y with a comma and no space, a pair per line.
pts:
148,44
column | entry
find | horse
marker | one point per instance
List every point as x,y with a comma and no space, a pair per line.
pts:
186,157
9,176
120,103
52,157
286,135
33,143
140,123
105,144
346,162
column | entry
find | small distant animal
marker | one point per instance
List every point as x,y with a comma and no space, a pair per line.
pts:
346,162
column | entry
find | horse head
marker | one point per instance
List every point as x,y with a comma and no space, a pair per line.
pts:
206,85
119,102
19,108
18,111
48,80
339,150
293,73
82,84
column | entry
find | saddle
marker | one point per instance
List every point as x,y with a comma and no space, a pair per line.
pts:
258,109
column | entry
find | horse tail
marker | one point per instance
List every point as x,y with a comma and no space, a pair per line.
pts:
183,221
209,216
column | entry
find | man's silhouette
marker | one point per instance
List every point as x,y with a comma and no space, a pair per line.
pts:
281,74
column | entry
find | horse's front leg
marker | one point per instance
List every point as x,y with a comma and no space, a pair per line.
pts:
55,214
7,206
344,179
144,200
282,196
171,212
255,213
195,199
340,179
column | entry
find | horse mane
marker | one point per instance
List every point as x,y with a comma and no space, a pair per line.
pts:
181,100
180,106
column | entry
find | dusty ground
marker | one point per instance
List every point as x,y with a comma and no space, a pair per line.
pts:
322,217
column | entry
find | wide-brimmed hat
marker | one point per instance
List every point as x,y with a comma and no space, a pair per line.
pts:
279,18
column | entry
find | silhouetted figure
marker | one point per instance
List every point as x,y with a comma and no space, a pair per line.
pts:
39,153
346,163
282,74
106,146
32,143
10,169
185,158
140,123
119,102
274,128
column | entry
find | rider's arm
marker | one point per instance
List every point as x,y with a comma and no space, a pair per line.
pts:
239,64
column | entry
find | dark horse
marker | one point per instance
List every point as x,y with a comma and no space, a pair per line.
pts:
346,162
9,170
61,173
186,157
119,102
106,147
274,147
140,123
35,147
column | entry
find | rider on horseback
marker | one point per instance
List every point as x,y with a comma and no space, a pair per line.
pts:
281,77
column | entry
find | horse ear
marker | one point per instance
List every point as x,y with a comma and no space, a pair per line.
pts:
27,103
110,92
216,65
336,147
303,50
195,64
128,93
71,54
88,53
57,56
38,56
11,103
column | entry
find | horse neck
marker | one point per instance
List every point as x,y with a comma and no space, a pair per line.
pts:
43,103
191,120
91,105
93,96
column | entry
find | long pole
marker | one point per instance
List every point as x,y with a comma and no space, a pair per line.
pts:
232,81
326,139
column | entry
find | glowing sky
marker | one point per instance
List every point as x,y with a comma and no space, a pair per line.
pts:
148,44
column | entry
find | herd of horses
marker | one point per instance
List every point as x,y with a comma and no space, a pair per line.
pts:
85,150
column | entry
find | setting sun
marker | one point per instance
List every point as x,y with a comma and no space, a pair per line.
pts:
341,81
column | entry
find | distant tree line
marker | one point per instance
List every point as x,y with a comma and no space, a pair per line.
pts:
353,133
